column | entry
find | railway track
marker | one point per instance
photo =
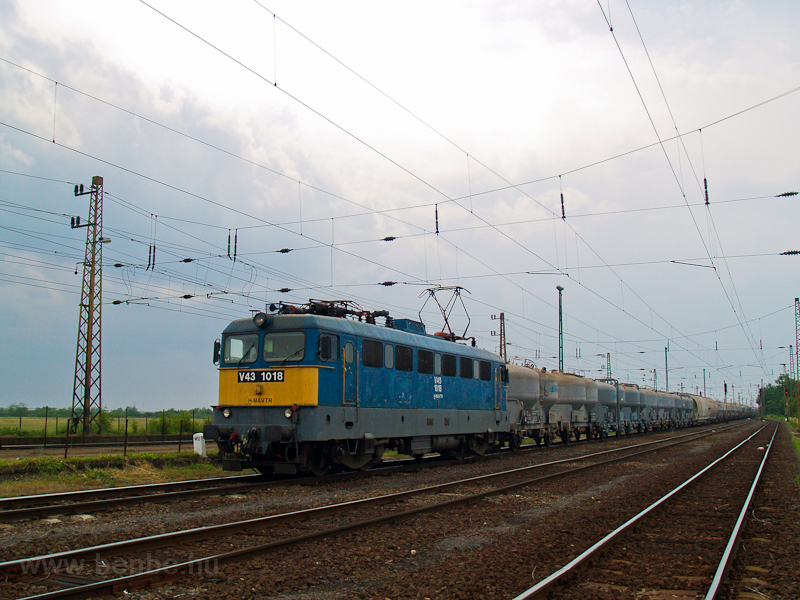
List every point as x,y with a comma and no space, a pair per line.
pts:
48,505
107,568
682,545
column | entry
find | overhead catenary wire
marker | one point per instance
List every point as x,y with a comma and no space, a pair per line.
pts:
332,246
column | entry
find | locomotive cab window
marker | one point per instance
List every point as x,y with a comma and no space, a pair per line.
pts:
240,349
437,364
372,353
328,347
284,346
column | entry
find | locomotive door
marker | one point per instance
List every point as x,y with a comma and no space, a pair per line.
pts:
349,375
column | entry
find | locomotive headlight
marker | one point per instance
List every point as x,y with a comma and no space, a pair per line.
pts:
259,320
287,413
226,412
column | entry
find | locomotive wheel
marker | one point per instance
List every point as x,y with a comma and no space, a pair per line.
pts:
356,462
320,471
479,448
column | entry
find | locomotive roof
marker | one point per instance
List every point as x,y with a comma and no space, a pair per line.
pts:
280,322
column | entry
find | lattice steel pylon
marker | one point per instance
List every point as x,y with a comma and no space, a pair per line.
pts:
797,354
797,336
87,405
503,343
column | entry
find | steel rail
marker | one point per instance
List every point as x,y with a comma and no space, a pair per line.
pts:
41,563
733,543
47,499
109,498
541,590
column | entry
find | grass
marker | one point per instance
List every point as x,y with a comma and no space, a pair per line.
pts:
57,426
48,475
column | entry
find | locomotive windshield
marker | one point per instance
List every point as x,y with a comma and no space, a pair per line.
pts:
240,349
284,346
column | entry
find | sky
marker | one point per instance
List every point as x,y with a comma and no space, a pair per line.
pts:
454,128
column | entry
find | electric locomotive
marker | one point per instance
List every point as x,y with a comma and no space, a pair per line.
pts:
323,386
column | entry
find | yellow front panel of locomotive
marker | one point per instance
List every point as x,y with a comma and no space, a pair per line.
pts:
269,387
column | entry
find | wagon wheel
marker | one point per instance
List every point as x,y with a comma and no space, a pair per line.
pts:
515,443
547,440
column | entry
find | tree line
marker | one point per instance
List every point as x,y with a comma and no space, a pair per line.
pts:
21,410
781,398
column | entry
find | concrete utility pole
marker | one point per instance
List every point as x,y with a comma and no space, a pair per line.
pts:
86,401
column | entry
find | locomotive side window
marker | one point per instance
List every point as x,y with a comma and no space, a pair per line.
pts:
425,361
348,353
285,346
328,347
388,356
405,358
486,370
437,364
372,354
465,367
240,349
448,365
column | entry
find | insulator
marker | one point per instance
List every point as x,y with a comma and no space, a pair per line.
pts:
284,250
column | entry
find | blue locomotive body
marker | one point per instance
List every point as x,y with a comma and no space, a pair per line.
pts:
307,392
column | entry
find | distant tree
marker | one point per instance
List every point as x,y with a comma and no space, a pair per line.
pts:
17,410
